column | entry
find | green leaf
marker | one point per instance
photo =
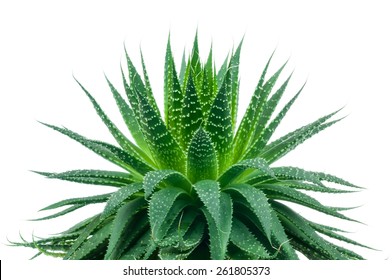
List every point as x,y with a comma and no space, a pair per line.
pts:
278,192
195,64
123,219
250,120
331,233
117,134
258,203
117,198
304,186
295,173
61,213
201,159
269,107
209,193
234,69
94,177
209,87
131,121
165,150
136,85
290,141
161,211
176,179
303,231
149,93
183,68
92,226
139,248
173,96
219,124
265,134
109,152
192,115
98,239
222,72
246,241
219,232
82,201
237,169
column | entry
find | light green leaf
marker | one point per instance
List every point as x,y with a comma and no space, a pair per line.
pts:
201,160
192,115
165,150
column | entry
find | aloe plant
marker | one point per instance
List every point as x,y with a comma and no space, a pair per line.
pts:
195,184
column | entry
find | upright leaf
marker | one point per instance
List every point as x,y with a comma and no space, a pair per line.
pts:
201,160
165,150
234,69
131,121
219,124
209,85
249,122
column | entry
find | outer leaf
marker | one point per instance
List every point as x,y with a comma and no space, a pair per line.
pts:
109,152
161,204
82,201
123,219
136,85
295,173
117,198
237,169
98,239
131,121
117,134
92,226
265,132
139,248
258,203
246,241
302,230
201,160
269,108
219,232
250,120
94,177
287,143
209,193
61,213
277,192
176,179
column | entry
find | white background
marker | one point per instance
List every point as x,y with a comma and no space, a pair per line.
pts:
342,48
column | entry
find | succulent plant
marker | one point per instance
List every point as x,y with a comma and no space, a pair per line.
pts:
195,184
